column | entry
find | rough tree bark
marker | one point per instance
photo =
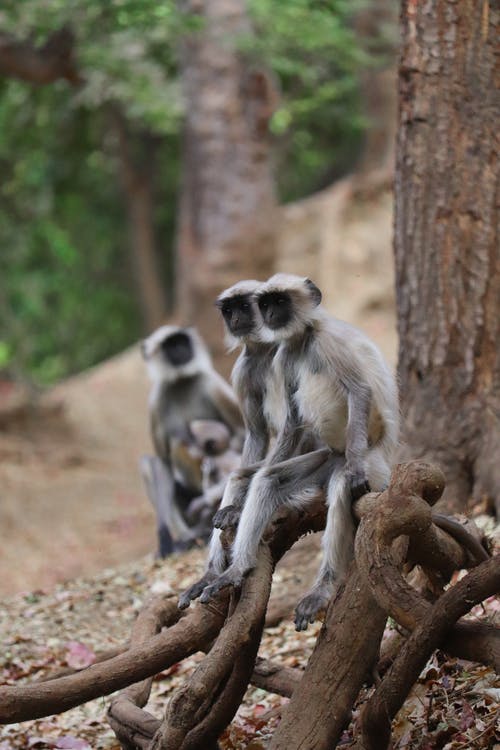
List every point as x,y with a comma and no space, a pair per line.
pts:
446,242
228,203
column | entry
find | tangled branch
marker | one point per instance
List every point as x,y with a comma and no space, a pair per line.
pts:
397,528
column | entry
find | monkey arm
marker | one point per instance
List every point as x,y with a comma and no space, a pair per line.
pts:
358,407
288,440
256,437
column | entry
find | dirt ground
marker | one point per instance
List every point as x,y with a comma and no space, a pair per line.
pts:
71,498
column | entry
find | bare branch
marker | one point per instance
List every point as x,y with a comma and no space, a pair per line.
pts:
482,582
193,702
193,633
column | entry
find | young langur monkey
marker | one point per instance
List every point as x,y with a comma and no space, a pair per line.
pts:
257,388
339,387
185,389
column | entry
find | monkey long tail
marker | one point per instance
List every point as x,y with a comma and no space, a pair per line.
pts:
338,538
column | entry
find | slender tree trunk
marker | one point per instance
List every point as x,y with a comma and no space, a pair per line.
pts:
376,24
137,179
228,206
446,241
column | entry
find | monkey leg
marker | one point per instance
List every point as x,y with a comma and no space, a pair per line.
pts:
217,562
173,532
338,537
291,483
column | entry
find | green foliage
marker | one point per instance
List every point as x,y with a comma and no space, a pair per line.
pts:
64,301
312,48
67,296
67,293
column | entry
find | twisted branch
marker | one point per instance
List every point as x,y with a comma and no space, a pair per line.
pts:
482,582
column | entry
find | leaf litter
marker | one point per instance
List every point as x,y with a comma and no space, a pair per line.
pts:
453,706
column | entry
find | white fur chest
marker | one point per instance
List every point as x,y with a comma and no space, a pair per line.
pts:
275,406
322,407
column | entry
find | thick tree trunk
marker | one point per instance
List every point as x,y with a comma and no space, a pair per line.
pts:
446,242
137,178
228,207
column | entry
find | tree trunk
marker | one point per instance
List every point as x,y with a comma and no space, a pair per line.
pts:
446,242
228,206
376,26
137,179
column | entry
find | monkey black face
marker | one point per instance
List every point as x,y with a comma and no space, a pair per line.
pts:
276,309
238,314
178,349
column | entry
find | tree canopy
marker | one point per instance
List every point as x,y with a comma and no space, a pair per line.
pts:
67,296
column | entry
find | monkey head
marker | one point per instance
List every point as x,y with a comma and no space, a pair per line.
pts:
172,352
240,312
287,304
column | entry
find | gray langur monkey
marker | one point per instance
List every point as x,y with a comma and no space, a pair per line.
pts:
262,400
339,387
185,389
347,394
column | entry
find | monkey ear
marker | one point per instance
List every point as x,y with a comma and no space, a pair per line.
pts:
314,292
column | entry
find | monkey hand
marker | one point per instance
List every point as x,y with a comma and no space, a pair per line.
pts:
195,590
358,484
310,606
226,517
231,578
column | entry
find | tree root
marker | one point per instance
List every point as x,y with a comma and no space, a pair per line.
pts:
397,527
132,726
349,641
227,662
190,634
482,582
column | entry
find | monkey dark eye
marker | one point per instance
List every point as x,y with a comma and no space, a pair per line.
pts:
226,310
245,306
263,305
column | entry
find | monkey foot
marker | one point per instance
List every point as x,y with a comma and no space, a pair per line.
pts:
195,590
232,577
226,517
310,606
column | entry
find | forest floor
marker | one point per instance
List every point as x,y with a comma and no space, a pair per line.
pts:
454,705
77,555
77,563
71,497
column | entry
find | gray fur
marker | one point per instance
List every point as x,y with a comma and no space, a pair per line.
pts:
179,396
328,386
249,379
346,394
